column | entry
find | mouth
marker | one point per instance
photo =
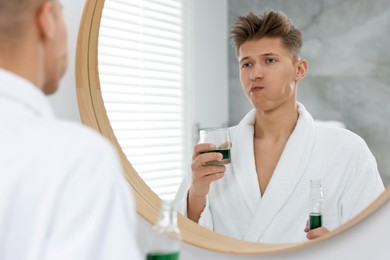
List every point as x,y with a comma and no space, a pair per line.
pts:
255,89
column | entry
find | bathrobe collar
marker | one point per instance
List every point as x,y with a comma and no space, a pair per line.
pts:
22,92
293,162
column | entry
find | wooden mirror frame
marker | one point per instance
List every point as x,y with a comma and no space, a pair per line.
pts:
93,114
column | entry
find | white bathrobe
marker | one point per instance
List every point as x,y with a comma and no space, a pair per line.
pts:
340,158
63,195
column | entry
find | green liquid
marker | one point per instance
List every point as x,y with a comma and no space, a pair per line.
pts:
315,220
225,153
163,256
225,157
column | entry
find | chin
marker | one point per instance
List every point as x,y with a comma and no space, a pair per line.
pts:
52,83
264,106
50,89
259,104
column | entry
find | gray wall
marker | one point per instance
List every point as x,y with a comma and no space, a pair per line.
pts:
346,44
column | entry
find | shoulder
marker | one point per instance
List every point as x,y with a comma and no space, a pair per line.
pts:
73,143
87,152
232,129
72,133
337,132
341,138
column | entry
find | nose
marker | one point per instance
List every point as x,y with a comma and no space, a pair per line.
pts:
256,73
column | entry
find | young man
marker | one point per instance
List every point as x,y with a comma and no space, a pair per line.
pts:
62,190
263,195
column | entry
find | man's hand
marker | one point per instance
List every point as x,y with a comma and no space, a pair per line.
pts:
314,233
202,176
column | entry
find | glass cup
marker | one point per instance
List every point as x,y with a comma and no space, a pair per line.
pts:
220,137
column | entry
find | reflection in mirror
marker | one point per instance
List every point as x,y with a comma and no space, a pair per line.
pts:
144,74
140,62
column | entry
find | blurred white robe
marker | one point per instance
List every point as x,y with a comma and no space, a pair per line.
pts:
62,191
340,158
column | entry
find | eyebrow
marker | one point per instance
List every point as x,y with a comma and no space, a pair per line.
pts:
267,54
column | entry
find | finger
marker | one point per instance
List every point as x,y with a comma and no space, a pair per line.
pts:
202,148
213,177
207,170
202,159
200,188
307,226
317,232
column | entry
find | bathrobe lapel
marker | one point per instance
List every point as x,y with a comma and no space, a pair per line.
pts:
243,161
286,177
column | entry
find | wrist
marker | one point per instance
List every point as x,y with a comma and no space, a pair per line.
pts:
198,196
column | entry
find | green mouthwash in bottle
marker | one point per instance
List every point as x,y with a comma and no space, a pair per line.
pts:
316,200
165,244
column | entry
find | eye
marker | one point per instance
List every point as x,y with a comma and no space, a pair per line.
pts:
245,65
270,60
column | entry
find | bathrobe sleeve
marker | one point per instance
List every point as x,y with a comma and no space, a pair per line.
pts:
95,212
180,203
364,184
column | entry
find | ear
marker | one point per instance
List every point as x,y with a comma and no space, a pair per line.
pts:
301,69
46,21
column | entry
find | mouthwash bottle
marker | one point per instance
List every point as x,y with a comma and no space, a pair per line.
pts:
316,200
166,240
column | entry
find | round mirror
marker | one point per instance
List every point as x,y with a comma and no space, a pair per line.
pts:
337,90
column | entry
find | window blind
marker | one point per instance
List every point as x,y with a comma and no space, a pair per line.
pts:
141,70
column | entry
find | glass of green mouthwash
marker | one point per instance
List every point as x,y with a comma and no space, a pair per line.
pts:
220,137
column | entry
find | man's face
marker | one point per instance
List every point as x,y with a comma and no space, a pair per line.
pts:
57,52
268,73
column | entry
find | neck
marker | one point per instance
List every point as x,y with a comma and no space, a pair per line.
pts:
23,59
277,124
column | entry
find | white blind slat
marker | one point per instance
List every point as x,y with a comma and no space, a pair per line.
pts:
137,117
137,47
150,80
129,135
120,66
158,184
149,35
150,152
164,106
170,173
137,53
140,62
171,157
118,89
